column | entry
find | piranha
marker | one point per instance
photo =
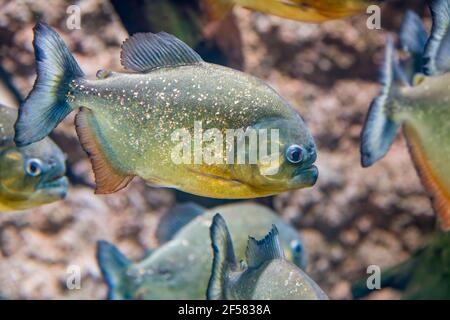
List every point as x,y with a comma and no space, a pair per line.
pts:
302,10
266,274
424,276
133,124
180,268
416,97
29,176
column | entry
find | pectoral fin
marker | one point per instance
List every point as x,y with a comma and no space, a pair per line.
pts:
108,178
439,195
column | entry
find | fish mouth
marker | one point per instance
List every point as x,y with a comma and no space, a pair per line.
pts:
56,187
306,176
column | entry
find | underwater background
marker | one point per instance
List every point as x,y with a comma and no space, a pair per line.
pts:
351,219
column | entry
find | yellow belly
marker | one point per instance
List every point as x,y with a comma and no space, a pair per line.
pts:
432,175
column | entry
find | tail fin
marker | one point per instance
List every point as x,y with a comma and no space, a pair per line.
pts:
413,38
436,58
113,265
46,105
379,129
224,259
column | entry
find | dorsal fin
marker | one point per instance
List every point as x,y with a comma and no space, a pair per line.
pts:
260,251
143,52
107,178
436,58
224,259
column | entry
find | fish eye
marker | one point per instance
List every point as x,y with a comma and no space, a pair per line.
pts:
33,167
294,154
296,247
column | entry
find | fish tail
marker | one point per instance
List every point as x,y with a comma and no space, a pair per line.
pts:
46,105
217,9
224,259
380,129
113,265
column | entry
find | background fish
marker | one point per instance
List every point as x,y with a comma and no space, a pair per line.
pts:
420,103
180,269
266,275
29,176
303,10
424,276
127,120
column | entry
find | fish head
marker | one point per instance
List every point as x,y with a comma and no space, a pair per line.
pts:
285,158
32,175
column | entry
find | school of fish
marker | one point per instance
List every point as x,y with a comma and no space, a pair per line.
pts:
181,267
170,114
416,97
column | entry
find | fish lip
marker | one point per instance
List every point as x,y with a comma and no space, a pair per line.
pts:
57,186
306,175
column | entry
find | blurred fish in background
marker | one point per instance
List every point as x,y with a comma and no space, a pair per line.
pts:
265,274
29,176
418,100
302,10
181,267
424,276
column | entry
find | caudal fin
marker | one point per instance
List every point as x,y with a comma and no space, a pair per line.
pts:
436,58
113,265
224,259
46,105
380,129
413,38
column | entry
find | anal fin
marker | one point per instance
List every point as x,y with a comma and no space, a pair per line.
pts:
440,196
107,178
